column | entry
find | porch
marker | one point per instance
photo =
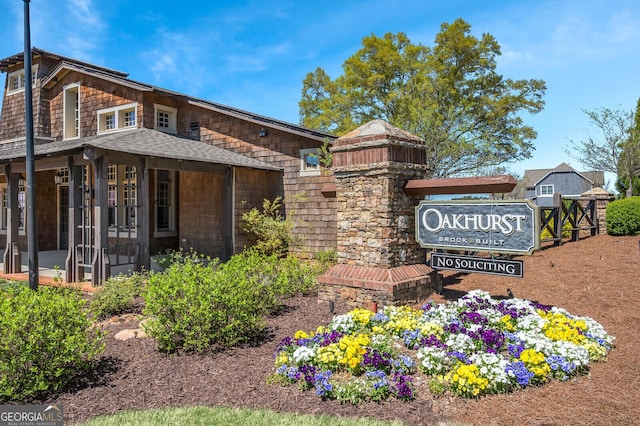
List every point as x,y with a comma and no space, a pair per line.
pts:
51,265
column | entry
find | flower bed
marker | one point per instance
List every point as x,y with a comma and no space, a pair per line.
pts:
471,347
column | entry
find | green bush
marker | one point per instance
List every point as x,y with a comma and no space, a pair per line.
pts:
279,276
117,295
47,339
193,306
623,216
170,257
272,231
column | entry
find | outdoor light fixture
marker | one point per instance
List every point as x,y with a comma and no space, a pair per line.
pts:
22,181
263,133
57,178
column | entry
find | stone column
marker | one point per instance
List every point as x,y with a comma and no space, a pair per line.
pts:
378,258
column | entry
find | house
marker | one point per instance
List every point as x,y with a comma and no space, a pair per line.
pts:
125,170
542,184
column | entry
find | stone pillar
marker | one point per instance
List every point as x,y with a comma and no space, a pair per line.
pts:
378,258
603,198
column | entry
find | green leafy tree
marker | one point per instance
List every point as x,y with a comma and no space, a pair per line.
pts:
629,161
449,95
605,151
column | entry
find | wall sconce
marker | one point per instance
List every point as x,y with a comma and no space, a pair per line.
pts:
22,181
57,178
263,133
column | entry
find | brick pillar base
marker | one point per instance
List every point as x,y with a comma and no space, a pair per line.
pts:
359,286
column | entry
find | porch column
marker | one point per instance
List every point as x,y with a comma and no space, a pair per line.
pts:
143,258
100,265
227,215
12,257
74,272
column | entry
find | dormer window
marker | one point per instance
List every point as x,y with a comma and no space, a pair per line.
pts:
16,80
122,117
165,118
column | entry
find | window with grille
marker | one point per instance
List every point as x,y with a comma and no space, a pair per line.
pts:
16,79
165,203
545,190
121,197
165,118
71,111
122,117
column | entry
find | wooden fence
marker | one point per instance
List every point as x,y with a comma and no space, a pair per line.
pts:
568,215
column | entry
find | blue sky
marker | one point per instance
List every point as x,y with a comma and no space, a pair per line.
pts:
253,54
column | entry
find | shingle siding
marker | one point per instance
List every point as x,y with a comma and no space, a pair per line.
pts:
199,202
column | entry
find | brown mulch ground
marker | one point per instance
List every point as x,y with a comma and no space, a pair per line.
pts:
597,277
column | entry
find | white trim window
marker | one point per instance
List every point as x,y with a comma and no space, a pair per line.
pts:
121,199
15,80
310,162
165,203
71,111
165,118
545,190
118,118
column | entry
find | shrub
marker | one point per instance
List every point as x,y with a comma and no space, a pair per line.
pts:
280,276
623,216
170,257
193,306
47,339
273,231
117,295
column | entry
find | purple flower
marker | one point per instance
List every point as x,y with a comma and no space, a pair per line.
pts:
402,387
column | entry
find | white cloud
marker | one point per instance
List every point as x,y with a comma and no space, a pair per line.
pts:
84,12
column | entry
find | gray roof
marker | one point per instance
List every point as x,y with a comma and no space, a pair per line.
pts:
533,176
144,142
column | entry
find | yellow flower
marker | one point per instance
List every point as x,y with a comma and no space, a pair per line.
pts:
300,334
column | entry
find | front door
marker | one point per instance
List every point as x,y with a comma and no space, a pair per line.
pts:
63,217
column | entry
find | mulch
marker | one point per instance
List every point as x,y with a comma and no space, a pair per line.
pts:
597,277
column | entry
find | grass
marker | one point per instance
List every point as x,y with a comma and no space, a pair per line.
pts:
227,416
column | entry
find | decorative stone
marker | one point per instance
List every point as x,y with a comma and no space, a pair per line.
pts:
378,257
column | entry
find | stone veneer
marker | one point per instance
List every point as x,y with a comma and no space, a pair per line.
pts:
378,257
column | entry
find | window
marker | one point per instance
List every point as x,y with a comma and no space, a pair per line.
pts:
545,190
309,162
165,118
71,111
165,201
22,206
121,198
122,117
16,80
